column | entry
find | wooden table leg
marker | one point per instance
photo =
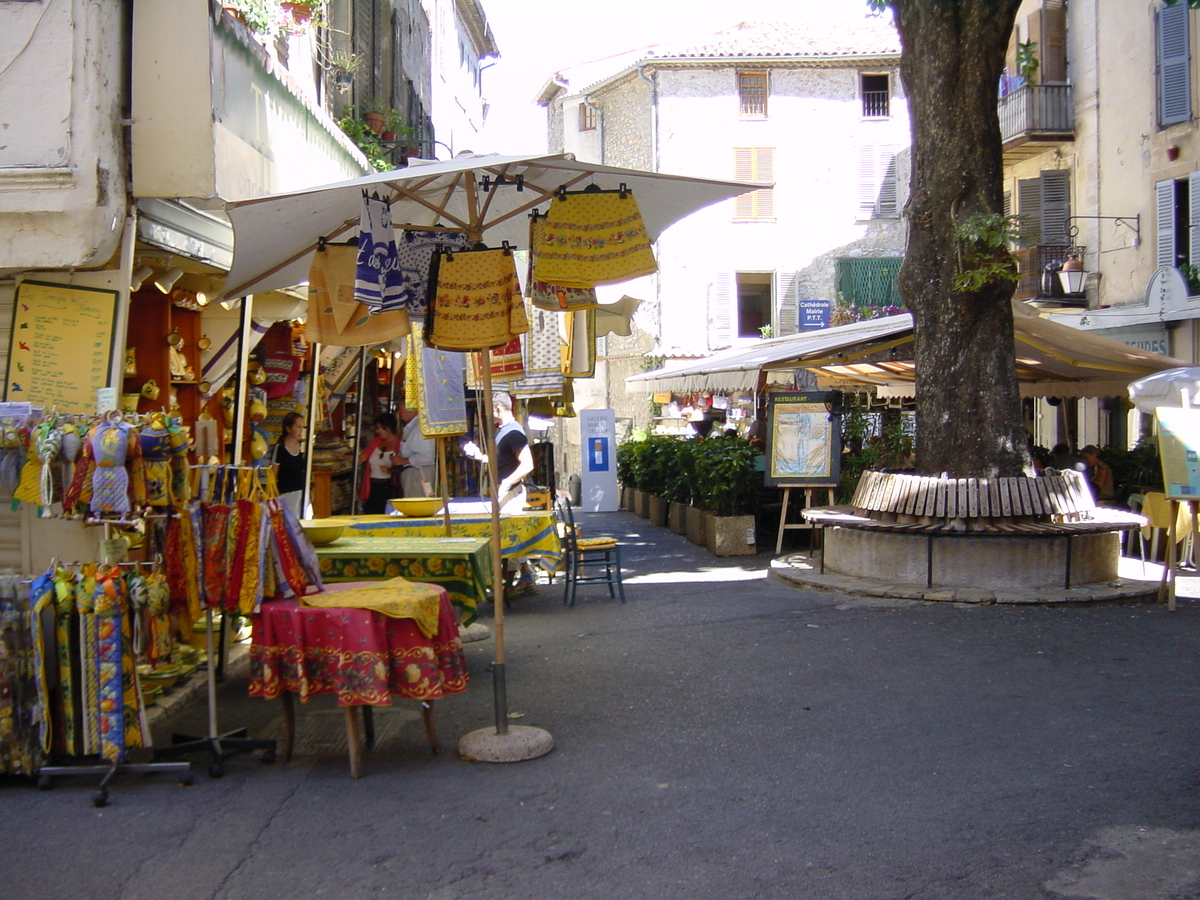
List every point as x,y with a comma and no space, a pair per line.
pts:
289,724
430,728
369,725
353,741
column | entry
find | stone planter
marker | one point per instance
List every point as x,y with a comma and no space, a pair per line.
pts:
696,529
641,503
658,510
677,517
730,536
624,495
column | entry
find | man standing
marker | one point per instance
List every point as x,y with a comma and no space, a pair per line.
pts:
514,460
417,452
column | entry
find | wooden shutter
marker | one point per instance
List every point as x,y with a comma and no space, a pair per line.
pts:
1033,25
754,164
886,205
1164,200
1056,206
787,304
720,311
867,190
1053,50
1029,208
1174,65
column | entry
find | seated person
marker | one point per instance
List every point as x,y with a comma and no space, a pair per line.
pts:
1062,458
1099,476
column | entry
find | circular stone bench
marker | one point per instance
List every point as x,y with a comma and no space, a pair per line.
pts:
973,532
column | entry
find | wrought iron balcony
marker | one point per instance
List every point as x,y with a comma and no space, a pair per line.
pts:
1035,117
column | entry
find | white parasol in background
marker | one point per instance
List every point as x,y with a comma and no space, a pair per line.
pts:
1178,387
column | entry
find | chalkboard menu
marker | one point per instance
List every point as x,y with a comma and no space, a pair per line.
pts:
62,345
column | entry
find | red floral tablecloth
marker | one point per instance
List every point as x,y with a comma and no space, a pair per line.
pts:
362,656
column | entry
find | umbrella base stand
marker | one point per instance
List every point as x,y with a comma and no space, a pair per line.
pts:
521,743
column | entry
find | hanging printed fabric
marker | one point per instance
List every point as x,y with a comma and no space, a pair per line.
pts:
441,406
543,358
335,317
592,238
473,301
544,295
378,282
156,452
416,249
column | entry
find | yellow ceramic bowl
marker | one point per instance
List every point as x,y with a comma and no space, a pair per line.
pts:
417,506
322,531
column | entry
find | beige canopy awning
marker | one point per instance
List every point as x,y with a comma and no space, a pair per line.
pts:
1053,360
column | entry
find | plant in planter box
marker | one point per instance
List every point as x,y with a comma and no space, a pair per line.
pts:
730,487
680,483
657,464
629,463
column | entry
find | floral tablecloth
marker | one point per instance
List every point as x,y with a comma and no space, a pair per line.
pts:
362,656
521,534
461,565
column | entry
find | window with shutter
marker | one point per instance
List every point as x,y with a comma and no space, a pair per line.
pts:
877,183
1174,65
754,164
754,303
1056,206
1053,51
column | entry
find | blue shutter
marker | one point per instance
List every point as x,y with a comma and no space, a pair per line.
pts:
1174,65
1164,200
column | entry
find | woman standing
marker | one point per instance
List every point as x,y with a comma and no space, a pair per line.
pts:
379,457
290,462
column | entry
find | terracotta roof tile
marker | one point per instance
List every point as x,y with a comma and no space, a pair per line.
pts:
868,35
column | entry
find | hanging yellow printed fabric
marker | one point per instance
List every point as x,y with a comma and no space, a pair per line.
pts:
476,302
544,295
593,238
335,315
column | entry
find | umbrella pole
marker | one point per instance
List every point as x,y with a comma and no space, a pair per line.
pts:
520,742
489,437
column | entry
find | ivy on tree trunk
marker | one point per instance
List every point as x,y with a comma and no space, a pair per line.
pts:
969,420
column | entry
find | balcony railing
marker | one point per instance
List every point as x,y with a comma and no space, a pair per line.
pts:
1038,269
1037,109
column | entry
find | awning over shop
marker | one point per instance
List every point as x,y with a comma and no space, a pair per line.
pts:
1053,360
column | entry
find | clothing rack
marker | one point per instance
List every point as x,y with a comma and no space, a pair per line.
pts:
111,769
219,744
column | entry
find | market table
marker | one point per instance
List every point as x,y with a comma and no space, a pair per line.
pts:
530,533
361,655
462,565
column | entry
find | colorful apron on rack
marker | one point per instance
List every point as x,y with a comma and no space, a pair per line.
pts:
475,303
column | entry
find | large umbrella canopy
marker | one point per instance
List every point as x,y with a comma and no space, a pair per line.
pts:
482,195
1167,388
1053,360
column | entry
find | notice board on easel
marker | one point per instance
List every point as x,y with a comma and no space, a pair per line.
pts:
1179,451
62,345
803,439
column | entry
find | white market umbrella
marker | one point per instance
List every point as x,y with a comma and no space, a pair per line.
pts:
1179,387
486,196
275,236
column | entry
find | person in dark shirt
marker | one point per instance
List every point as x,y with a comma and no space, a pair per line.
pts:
291,464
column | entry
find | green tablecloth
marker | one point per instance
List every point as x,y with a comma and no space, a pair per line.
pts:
463,566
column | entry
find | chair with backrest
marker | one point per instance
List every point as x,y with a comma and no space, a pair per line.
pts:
594,560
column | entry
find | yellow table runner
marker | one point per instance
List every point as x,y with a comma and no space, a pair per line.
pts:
398,598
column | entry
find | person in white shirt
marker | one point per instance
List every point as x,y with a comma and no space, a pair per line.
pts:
419,452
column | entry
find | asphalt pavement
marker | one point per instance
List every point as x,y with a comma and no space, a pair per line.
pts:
721,735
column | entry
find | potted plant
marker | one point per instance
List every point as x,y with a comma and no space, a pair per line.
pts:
657,462
730,488
679,485
628,463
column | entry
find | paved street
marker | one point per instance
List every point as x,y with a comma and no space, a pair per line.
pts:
719,736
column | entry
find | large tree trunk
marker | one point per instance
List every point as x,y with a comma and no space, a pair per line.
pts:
969,419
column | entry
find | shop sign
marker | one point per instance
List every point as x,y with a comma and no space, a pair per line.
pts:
1167,289
1151,338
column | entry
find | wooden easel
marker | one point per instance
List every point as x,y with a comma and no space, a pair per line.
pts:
809,492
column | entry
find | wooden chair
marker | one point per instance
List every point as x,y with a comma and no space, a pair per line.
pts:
587,560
